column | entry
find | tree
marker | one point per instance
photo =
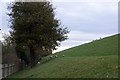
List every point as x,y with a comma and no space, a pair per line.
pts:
34,25
9,47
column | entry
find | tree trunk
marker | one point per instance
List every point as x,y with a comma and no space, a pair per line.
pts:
32,57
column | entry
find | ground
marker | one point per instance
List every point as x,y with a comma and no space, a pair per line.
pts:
97,59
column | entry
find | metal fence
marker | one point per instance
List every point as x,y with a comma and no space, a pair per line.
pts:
8,69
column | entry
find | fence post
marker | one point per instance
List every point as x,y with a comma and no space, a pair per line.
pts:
11,69
7,69
0,60
3,70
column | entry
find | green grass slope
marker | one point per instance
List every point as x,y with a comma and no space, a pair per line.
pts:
97,59
102,47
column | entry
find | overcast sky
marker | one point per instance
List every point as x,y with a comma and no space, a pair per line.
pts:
87,20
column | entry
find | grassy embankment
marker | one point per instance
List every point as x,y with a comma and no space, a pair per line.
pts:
97,59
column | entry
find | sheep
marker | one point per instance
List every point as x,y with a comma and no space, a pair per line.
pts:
56,56
63,55
51,56
38,62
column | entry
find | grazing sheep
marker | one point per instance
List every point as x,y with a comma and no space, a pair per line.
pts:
38,62
56,56
51,56
63,55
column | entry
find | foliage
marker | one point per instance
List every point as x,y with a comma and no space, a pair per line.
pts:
34,25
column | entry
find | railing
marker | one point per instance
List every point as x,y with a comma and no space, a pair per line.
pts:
8,69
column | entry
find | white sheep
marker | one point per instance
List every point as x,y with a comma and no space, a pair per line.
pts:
38,62
51,56
56,56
